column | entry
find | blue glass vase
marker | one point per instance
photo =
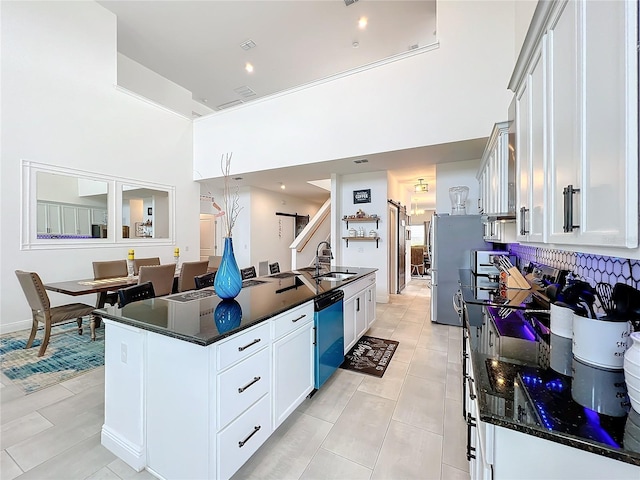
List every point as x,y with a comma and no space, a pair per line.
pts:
227,315
228,281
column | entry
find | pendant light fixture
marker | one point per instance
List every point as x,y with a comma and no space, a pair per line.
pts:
421,187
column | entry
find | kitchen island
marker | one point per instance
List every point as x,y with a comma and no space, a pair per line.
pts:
195,384
526,396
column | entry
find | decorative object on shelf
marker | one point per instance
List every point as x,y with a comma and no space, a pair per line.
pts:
227,315
130,258
228,281
362,196
632,371
352,232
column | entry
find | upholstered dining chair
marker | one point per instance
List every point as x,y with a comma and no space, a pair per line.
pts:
249,272
109,269
43,312
135,293
160,275
188,271
143,262
274,268
205,280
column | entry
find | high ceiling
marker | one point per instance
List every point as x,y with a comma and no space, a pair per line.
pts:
202,46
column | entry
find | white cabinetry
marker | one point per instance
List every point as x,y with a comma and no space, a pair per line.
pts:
49,218
292,361
496,178
359,309
576,86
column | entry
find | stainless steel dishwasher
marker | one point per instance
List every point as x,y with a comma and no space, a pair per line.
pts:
329,335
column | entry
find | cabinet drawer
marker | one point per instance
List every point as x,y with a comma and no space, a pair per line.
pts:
289,321
353,288
241,385
242,345
241,439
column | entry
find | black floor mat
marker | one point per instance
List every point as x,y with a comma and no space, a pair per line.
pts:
370,355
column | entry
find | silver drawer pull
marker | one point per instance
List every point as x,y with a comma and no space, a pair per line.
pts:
299,318
242,442
242,389
248,345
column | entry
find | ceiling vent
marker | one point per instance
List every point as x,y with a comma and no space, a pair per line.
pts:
195,114
248,45
229,104
245,92
364,160
349,2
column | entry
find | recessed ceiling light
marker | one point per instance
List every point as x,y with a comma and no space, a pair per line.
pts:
282,186
248,67
362,23
355,44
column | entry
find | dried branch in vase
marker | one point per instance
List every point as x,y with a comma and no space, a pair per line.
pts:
231,199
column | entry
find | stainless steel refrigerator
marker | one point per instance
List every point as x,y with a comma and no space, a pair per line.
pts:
451,239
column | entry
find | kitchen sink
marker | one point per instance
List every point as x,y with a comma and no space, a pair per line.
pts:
335,276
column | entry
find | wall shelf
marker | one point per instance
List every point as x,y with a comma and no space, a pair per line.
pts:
361,220
362,239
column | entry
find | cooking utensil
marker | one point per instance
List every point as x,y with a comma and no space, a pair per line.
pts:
626,300
605,295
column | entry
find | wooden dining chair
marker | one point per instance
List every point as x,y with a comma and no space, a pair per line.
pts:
249,272
143,262
43,312
205,280
109,269
188,272
135,293
274,268
160,275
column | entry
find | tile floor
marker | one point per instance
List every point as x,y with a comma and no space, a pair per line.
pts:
406,425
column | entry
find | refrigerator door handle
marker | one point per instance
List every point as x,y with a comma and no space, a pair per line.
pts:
434,277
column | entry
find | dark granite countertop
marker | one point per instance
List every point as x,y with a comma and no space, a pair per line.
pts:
526,379
203,318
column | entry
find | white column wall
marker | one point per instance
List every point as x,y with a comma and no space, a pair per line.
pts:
60,106
452,93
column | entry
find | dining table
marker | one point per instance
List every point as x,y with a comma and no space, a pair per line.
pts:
76,288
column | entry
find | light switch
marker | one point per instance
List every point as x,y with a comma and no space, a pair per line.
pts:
123,352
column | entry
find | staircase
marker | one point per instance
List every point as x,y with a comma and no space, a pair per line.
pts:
303,248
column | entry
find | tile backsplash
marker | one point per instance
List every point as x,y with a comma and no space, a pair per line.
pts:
585,265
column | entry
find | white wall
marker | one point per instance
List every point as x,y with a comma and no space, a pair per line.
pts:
455,92
143,81
60,106
272,234
454,174
363,254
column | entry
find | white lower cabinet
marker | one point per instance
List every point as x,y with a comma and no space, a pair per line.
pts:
292,363
359,309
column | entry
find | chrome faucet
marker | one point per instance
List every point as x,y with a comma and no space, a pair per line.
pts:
318,255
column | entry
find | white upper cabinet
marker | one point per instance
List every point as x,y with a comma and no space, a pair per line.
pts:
530,169
576,85
496,178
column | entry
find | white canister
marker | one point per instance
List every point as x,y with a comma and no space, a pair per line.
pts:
632,371
600,341
599,389
561,321
561,355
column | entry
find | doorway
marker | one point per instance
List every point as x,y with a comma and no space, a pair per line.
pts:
208,246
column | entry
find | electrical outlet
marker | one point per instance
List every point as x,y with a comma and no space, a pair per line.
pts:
186,248
360,249
123,352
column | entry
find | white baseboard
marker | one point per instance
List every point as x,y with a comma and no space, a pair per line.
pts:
15,326
132,455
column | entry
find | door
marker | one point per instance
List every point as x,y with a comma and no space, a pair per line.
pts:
393,248
208,245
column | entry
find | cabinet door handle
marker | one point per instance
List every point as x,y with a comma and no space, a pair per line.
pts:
240,349
472,395
358,304
471,422
567,194
523,218
490,339
255,430
299,318
242,389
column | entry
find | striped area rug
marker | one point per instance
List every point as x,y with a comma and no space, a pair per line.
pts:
68,355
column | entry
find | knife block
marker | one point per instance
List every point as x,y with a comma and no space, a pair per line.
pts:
516,280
